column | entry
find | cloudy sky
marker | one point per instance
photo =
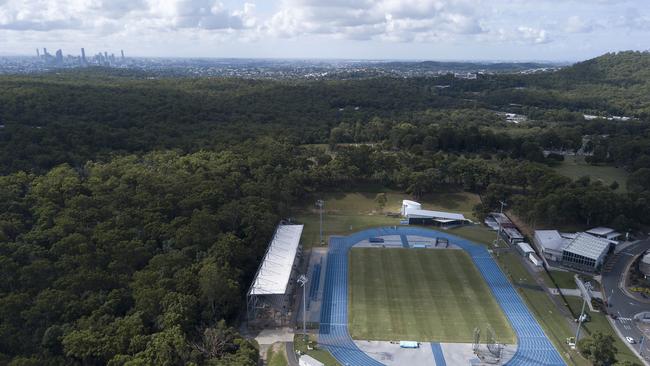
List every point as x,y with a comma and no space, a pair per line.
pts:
562,30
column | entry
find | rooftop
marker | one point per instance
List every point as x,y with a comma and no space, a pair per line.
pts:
273,276
600,230
588,246
550,239
525,247
435,214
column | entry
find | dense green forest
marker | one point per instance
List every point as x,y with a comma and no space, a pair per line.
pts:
134,211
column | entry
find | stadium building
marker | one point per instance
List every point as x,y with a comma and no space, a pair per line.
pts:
269,297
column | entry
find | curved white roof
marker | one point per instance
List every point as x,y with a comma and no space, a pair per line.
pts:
273,276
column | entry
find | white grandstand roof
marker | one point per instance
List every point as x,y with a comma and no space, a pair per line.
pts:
588,246
272,277
435,214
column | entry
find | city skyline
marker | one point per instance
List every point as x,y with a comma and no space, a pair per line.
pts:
545,30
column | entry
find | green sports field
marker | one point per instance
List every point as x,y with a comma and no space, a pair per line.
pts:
422,295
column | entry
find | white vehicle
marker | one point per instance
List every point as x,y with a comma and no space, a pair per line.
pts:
630,340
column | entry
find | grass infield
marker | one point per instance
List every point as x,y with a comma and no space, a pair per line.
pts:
421,295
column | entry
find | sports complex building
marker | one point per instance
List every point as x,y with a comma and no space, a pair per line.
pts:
582,251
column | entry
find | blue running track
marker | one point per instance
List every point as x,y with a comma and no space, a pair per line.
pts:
437,354
534,348
405,241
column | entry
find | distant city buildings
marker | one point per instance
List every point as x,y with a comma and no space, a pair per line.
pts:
45,59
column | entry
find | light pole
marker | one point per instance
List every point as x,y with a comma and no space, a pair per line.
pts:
641,344
320,204
302,280
582,312
496,241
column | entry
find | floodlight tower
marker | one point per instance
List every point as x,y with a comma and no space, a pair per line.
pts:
302,280
320,204
582,312
496,241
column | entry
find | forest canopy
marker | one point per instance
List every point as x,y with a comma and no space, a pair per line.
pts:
134,211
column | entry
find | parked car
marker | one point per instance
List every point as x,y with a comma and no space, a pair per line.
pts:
630,340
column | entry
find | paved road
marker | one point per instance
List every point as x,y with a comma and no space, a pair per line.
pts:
291,354
620,304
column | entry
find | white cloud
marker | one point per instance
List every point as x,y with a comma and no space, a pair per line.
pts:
575,24
534,35
405,20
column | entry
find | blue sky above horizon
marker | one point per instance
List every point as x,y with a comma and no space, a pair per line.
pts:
553,30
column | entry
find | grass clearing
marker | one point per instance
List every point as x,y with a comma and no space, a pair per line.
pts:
562,278
276,357
318,353
422,295
349,212
575,167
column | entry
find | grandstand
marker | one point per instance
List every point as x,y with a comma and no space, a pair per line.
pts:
268,299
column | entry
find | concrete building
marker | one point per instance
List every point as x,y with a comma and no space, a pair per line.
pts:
585,252
507,229
524,249
605,233
551,243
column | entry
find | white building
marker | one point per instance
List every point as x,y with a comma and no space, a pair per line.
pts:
524,249
551,243
409,205
415,215
605,233
585,252
535,260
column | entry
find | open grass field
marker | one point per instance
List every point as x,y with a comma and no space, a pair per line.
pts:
422,295
346,213
318,353
575,167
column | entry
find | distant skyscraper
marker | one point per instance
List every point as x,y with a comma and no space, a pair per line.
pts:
83,56
44,51
59,56
38,53
122,52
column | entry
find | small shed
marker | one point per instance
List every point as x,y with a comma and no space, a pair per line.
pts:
524,249
535,260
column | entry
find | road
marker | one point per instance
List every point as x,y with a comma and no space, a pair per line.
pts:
620,304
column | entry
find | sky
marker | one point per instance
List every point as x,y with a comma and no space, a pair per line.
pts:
520,30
